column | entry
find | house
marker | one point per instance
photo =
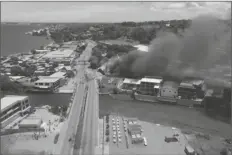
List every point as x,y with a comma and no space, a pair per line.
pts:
12,107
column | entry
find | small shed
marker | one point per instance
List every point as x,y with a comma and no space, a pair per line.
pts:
31,123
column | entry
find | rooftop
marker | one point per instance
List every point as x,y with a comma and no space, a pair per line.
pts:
142,48
130,81
47,80
58,74
151,80
10,100
186,85
31,121
59,54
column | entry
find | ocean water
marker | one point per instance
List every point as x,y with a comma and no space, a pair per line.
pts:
14,40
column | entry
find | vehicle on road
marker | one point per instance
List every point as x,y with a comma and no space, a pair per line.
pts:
170,139
114,136
120,140
119,135
189,150
112,119
114,132
114,129
119,132
114,140
145,141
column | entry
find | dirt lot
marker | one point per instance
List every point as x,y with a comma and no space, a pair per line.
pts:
24,143
177,116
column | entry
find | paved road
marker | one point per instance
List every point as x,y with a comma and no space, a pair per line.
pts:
75,111
90,128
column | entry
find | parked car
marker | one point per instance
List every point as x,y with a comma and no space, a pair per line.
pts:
114,140
170,139
189,150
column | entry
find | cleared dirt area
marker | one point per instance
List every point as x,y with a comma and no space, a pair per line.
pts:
170,115
25,143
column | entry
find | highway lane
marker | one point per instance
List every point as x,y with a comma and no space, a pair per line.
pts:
75,111
89,136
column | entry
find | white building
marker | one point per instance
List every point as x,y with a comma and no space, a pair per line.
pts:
149,85
59,75
65,56
12,107
47,84
129,84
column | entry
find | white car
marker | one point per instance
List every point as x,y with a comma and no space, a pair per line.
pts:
119,132
120,140
114,140
114,129
112,119
145,141
117,126
119,135
114,132
114,136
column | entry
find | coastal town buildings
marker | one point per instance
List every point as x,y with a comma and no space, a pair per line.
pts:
64,56
47,84
149,85
12,107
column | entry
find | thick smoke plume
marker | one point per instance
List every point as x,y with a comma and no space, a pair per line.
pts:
196,52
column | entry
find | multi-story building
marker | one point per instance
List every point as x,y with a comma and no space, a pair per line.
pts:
12,107
149,85
47,84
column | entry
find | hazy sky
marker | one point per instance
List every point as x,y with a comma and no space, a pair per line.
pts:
107,11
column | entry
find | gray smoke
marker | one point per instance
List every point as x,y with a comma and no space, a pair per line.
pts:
195,53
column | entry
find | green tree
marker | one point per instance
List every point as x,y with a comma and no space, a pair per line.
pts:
16,70
33,51
7,85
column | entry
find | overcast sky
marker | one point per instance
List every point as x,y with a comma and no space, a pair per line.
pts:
107,11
